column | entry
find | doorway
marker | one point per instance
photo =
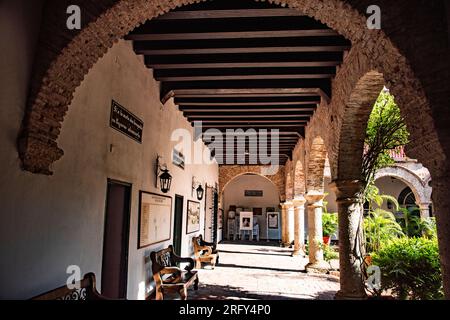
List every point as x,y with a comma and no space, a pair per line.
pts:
178,224
116,240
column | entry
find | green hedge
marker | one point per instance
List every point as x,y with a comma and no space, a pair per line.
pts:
411,268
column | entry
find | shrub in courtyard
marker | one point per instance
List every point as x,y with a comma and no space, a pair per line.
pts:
411,268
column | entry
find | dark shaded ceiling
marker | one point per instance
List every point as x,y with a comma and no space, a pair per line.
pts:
243,64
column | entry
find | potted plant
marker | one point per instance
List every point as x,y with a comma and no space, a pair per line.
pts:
329,226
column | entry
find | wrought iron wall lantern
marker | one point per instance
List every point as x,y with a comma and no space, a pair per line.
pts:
197,187
162,174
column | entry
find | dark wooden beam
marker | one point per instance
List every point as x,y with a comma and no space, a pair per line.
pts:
276,64
231,35
194,111
153,52
245,92
246,77
226,14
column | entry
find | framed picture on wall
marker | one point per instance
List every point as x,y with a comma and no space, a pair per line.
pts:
193,217
272,220
155,218
246,220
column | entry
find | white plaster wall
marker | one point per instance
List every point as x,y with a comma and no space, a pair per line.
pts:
234,195
390,186
49,223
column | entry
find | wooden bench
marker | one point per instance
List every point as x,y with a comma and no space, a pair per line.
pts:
87,291
169,277
204,252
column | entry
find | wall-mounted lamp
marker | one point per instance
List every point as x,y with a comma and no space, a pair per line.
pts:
164,178
197,187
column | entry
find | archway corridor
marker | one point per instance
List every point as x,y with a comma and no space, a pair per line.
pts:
132,127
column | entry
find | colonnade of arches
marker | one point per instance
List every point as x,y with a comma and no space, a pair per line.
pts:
336,131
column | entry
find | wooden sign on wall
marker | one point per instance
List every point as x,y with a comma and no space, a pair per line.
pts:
253,193
125,122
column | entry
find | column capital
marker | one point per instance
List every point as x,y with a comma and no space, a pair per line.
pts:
314,197
347,190
299,201
287,204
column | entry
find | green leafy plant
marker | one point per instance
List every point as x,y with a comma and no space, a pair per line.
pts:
329,224
410,267
379,225
386,131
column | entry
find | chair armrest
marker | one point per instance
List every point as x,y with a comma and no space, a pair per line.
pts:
169,270
209,244
178,259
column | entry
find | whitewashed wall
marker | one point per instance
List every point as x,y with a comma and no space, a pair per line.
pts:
49,223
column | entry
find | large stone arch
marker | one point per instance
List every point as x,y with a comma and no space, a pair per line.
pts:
229,173
422,191
353,128
66,66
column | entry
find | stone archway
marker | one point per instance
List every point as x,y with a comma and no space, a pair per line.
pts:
53,87
419,186
229,173
352,133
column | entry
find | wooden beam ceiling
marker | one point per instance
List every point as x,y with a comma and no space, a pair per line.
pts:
242,65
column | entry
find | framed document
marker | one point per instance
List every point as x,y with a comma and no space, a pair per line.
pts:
272,220
155,219
246,220
193,217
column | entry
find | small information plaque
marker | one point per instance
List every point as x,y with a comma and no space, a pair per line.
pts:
127,123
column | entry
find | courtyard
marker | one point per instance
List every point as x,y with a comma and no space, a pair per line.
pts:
260,271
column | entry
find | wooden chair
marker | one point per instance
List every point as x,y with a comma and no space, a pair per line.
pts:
204,252
87,291
169,277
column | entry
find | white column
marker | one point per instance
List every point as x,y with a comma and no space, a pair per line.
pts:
299,226
315,233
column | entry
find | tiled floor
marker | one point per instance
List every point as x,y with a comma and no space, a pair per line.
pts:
262,271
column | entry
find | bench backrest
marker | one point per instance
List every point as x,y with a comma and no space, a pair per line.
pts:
87,291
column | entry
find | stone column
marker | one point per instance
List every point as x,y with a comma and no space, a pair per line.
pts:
290,223
315,233
351,252
286,223
441,203
424,210
299,226
283,223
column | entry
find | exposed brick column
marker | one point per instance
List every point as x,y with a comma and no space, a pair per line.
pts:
299,226
315,233
441,202
350,210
